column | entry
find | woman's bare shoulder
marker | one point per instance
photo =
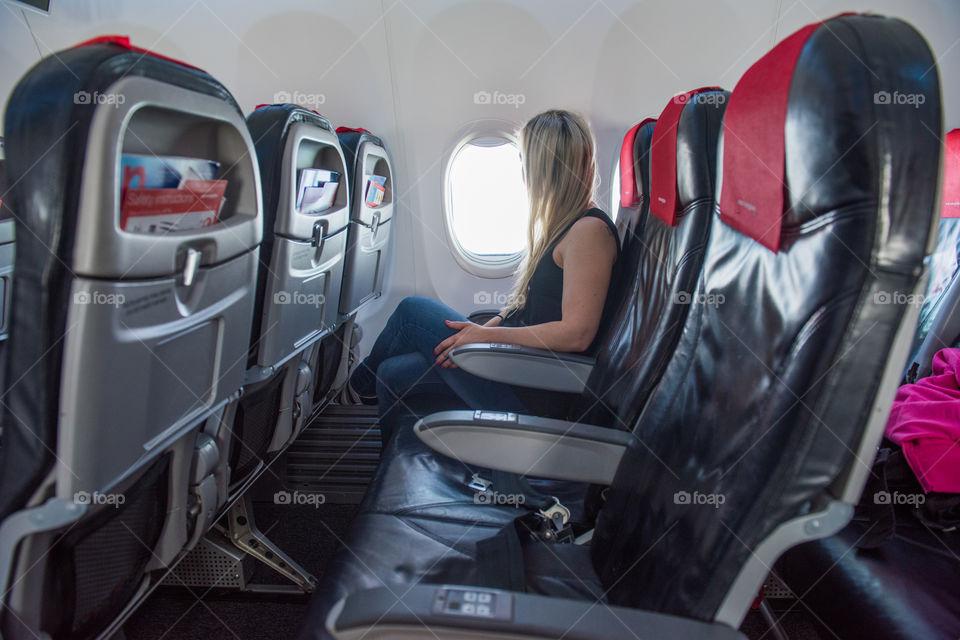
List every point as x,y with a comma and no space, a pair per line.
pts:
592,230
588,235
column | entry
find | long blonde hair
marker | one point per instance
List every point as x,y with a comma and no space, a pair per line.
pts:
559,167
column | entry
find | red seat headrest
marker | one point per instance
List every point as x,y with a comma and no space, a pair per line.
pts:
753,186
950,207
663,157
630,195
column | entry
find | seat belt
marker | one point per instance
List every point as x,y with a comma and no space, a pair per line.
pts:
500,557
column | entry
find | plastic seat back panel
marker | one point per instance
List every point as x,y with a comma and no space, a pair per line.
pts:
302,262
370,227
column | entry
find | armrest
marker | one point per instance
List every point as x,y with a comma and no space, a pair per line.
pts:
528,445
432,611
535,368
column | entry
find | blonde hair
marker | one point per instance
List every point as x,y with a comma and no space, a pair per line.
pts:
559,166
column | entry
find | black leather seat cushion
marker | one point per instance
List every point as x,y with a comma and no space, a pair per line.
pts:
420,522
905,589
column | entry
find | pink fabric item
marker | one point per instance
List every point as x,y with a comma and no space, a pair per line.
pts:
925,422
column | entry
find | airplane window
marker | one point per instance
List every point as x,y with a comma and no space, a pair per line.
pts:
615,192
488,201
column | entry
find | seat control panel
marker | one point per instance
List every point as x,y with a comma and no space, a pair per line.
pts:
468,602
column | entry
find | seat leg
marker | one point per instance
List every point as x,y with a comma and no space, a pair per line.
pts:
776,629
244,534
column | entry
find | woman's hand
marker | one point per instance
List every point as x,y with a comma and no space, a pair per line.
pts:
466,333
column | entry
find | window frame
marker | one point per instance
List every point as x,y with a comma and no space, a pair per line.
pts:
484,267
615,182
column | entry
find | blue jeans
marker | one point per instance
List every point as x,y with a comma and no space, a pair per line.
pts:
402,365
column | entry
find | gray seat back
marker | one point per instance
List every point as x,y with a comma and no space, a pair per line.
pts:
298,286
368,240
127,345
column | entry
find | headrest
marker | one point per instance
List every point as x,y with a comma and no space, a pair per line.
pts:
754,165
269,125
287,114
124,41
950,207
630,192
350,141
663,157
356,130
322,121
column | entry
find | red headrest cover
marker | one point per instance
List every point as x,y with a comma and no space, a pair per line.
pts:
630,195
663,157
752,193
951,176
124,41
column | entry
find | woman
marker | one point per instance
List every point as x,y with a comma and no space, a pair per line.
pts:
557,302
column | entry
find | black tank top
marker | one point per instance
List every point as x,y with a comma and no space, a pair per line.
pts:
545,292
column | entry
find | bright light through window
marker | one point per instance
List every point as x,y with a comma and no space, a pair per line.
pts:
488,200
615,192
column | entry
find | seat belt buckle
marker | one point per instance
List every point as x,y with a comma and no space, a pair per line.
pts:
555,523
478,484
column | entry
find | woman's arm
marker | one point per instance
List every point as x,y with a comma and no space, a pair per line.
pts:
587,254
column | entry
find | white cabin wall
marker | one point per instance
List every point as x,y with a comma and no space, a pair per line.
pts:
408,70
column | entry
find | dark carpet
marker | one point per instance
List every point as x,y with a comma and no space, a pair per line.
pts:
310,535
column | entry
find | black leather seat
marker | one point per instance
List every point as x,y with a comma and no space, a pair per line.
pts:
766,378
661,261
905,588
